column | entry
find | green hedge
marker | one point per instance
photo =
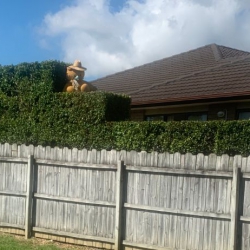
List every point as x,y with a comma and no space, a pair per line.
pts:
181,137
32,112
16,79
64,119
218,137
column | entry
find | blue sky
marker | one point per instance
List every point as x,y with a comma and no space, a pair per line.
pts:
114,35
20,21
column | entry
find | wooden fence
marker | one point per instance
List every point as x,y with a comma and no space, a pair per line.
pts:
126,200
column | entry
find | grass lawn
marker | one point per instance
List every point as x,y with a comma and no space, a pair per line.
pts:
9,242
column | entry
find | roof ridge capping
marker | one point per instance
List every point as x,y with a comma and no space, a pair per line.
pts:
241,58
216,51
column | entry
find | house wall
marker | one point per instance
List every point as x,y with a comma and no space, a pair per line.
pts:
137,115
228,108
211,109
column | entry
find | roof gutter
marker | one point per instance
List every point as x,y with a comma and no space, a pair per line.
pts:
191,99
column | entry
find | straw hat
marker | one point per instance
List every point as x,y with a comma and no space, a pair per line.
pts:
77,66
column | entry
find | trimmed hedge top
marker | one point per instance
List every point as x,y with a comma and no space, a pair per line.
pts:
16,79
194,137
220,137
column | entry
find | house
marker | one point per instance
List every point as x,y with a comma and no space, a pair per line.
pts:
208,83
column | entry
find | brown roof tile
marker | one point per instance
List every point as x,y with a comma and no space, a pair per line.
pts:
180,76
229,52
230,79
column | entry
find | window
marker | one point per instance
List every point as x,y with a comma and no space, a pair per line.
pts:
178,117
155,118
244,115
197,117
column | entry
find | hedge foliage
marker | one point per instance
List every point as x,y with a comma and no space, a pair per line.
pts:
218,137
16,79
64,119
33,112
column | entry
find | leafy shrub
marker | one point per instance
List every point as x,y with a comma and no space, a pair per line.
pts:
33,112
60,128
233,138
16,80
62,119
220,137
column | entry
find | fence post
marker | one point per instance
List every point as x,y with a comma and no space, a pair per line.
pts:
28,212
234,207
119,204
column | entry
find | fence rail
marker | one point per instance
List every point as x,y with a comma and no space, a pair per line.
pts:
127,199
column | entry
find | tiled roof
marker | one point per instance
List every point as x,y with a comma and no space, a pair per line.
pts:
228,52
156,80
228,80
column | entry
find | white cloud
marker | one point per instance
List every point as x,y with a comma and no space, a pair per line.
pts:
142,31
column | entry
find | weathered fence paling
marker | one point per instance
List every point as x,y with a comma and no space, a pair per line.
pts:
119,202
234,207
155,201
28,214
